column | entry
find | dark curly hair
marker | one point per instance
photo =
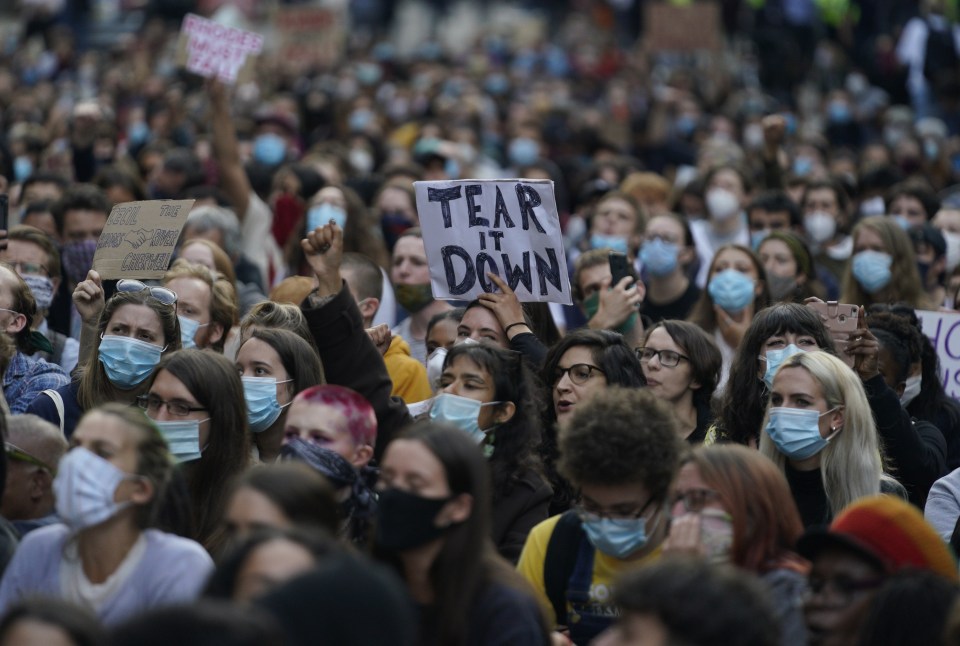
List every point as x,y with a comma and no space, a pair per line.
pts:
621,436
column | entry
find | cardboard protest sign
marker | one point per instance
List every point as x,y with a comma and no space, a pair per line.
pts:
508,227
212,50
682,27
943,330
139,238
311,34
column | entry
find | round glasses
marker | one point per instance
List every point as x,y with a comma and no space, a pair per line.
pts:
162,294
590,513
153,404
668,358
579,373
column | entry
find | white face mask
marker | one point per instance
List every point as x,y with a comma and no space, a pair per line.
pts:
722,204
873,206
84,488
911,389
820,226
435,366
953,249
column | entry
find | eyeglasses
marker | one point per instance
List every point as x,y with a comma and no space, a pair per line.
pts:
28,268
843,588
162,294
17,454
668,358
579,373
694,500
591,514
153,405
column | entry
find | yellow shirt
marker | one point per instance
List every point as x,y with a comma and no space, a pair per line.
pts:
605,570
409,376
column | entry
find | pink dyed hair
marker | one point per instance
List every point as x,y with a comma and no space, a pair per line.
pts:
361,420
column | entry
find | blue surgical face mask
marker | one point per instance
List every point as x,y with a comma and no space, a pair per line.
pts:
321,214
776,357
757,237
22,168
659,256
263,409
796,432
617,537
613,243
128,362
872,270
731,290
462,412
183,437
523,151
188,331
269,149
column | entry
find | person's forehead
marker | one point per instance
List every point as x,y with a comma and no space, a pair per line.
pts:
25,250
594,273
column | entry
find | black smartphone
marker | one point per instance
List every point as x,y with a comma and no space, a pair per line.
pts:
619,267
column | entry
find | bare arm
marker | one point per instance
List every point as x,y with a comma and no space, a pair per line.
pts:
233,178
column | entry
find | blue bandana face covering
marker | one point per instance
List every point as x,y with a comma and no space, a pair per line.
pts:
127,362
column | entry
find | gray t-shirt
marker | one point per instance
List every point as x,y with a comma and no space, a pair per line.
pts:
171,570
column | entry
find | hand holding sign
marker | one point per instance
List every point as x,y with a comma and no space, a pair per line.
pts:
89,299
323,248
865,349
504,306
510,228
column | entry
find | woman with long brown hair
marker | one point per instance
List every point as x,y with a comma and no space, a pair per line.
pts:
732,505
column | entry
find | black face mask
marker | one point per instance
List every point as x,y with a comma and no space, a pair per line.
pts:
406,521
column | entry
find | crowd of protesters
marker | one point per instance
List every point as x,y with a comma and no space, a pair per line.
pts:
749,439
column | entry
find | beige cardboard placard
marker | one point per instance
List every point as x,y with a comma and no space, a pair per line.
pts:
682,28
311,34
139,238
212,50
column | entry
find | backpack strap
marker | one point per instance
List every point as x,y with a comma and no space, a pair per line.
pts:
560,560
58,402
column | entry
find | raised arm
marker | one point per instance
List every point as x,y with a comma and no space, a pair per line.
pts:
233,178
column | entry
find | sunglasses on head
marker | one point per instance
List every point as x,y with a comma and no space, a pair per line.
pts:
162,294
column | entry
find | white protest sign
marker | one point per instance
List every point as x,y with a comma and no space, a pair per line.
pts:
507,227
139,238
213,50
943,330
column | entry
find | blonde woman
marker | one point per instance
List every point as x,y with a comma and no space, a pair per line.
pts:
884,267
819,429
